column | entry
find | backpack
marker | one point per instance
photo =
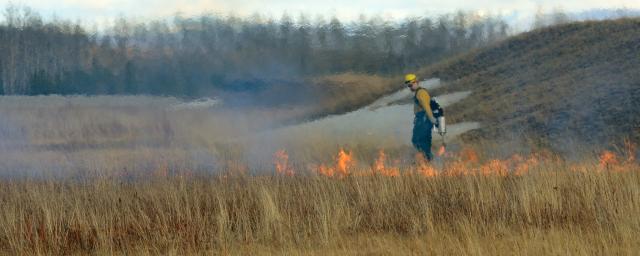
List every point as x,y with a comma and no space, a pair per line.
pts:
436,109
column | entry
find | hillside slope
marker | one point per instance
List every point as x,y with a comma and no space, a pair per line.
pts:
578,82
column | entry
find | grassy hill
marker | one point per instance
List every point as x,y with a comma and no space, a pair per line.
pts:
578,82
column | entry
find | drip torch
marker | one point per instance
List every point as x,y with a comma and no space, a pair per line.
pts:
440,126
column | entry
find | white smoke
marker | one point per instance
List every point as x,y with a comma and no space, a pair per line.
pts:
202,103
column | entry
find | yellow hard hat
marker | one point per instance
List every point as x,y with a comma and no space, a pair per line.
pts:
409,78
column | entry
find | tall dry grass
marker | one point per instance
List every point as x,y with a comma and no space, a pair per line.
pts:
553,210
71,136
62,136
148,183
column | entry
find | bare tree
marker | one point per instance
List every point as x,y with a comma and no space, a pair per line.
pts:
210,52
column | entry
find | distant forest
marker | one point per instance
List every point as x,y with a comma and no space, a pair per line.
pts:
192,56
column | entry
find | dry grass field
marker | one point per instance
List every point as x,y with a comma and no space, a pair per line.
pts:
127,176
468,203
537,204
132,175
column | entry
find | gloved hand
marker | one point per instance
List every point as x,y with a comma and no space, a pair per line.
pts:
433,120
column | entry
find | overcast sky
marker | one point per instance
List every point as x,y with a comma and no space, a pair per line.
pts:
104,11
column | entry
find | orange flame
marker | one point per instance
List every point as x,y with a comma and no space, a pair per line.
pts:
495,167
458,168
608,158
424,168
469,155
441,151
379,166
281,162
466,163
326,171
522,166
344,162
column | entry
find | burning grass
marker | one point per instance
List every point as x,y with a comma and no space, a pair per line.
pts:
531,204
143,181
463,163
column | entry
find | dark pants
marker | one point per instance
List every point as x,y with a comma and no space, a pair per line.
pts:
421,138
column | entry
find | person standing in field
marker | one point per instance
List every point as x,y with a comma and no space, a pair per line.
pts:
423,121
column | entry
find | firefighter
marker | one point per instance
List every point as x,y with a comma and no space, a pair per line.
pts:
423,121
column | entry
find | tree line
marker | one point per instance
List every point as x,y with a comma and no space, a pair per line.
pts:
190,56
